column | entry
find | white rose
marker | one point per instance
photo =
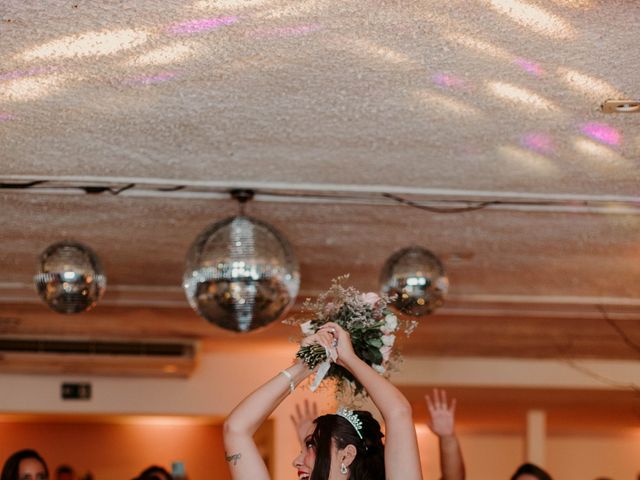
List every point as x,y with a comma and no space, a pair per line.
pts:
388,340
390,323
378,368
386,352
307,328
370,298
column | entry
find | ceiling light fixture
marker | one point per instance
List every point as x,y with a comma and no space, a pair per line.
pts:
620,106
70,278
415,278
241,273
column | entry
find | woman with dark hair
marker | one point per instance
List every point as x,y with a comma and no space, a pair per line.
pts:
154,472
25,465
529,471
343,446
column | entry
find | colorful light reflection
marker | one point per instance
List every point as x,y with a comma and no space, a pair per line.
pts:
164,55
588,85
525,97
151,79
88,44
26,73
286,32
201,25
528,66
605,156
538,142
602,133
432,100
449,81
5,117
531,161
30,88
534,17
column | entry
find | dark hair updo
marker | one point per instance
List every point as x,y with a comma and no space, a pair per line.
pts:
154,472
531,469
369,461
11,469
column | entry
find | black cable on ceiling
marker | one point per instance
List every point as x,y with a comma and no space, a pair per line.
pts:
633,345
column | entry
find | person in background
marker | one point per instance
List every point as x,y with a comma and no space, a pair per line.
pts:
65,472
25,465
154,472
442,424
303,419
529,471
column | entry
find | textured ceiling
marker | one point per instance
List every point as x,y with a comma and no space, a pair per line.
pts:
482,99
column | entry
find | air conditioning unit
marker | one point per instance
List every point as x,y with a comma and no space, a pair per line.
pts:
98,357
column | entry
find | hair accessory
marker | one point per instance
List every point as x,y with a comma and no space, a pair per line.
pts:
292,386
352,418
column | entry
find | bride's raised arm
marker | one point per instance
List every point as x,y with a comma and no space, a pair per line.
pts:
402,460
241,451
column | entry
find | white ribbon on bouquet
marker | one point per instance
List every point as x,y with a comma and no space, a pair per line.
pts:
323,369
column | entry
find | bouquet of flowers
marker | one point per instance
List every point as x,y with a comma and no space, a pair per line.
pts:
365,316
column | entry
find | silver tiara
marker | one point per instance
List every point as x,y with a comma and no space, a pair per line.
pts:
352,418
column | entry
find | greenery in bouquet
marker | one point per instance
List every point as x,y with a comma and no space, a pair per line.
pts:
367,318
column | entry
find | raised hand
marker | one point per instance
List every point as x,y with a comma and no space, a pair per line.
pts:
341,343
322,337
442,423
442,414
303,418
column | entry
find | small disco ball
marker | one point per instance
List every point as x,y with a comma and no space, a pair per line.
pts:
416,279
241,274
70,278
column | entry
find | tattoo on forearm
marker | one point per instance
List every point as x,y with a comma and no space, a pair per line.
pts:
233,458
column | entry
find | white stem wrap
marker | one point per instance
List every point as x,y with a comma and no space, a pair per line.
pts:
332,356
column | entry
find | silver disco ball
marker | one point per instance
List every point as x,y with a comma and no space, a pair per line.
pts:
70,278
241,274
417,280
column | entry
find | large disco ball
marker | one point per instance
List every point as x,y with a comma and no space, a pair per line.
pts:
70,278
417,280
241,274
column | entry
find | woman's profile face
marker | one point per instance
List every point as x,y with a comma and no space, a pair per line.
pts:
31,469
305,461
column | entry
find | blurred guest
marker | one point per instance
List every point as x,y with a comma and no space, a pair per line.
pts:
25,465
153,473
303,419
65,472
529,471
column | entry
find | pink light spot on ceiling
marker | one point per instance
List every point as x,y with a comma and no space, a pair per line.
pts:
5,117
151,79
538,142
601,132
528,66
201,25
286,32
26,73
448,81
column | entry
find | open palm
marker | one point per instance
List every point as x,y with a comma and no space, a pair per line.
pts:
442,421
